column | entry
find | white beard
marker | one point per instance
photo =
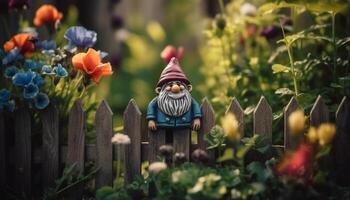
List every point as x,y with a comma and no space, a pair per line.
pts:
174,105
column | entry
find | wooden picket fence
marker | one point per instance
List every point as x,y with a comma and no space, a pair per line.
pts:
18,157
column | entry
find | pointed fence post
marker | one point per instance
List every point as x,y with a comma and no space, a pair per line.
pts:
319,113
50,149
2,151
262,124
237,110
23,151
341,144
289,141
76,142
104,147
132,128
207,123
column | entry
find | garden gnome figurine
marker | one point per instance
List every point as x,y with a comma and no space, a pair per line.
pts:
173,107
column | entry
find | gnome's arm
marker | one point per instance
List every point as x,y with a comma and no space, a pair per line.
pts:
197,114
151,114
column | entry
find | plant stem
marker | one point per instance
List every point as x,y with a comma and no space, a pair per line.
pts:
222,7
291,61
334,47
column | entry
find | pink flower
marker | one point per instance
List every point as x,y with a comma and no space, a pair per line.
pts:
297,165
170,51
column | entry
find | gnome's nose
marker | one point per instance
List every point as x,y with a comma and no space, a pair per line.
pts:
175,89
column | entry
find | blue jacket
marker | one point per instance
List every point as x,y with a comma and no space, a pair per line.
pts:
165,121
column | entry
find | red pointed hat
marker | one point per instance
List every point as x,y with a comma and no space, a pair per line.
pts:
172,72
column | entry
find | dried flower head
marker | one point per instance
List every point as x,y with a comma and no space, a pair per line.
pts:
296,122
179,158
156,167
200,156
230,126
166,150
326,133
120,138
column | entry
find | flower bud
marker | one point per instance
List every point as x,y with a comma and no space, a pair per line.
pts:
200,156
326,133
296,122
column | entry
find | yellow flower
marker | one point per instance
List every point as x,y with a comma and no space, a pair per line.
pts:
230,126
326,133
312,135
296,122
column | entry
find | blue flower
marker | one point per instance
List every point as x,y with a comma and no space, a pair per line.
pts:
30,91
38,80
80,37
5,101
11,56
31,64
47,69
23,78
46,44
41,101
10,71
49,52
60,71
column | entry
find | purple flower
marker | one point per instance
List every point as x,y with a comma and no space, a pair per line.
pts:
46,44
18,4
79,37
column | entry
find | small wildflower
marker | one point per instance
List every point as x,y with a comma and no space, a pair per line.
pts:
312,135
24,43
10,71
41,101
157,167
79,37
179,158
176,176
248,9
90,63
235,194
200,156
170,52
230,126
236,172
222,190
166,150
30,91
60,71
296,122
326,133
47,15
120,138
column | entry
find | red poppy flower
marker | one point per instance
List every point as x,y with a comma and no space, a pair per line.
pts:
24,43
170,51
90,63
297,165
47,14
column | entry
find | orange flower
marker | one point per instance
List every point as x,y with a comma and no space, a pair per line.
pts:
297,165
47,14
90,63
23,42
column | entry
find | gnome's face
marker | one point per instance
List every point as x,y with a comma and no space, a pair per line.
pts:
174,98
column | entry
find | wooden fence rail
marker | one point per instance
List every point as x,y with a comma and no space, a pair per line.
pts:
18,154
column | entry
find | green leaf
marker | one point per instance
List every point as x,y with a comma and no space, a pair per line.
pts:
104,192
327,6
284,91
228,155
278,68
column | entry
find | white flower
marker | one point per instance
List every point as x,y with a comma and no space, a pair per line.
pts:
156,167
248,9
175,176
197,187
120,138
236,172
208,180
235,194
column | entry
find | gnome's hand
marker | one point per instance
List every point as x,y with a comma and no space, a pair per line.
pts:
152,125
196,124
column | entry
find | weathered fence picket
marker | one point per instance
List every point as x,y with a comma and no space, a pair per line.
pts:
76,142
104,148
51,155
263,120
23,151
2,152
319,113
289,141
132,128
207,123
50,148
237,110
